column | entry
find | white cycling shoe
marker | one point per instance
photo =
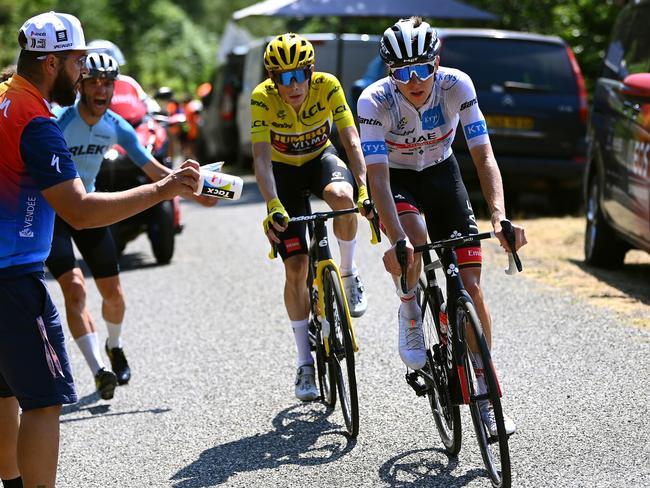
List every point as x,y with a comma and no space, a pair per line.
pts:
411,341
355,294
306,384
487,415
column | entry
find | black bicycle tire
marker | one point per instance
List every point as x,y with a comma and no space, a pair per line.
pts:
500,479
449,429
348,396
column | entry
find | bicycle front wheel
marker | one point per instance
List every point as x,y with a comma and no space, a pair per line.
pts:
341,351
494,449
445,414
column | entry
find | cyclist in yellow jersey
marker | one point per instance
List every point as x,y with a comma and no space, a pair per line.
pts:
292,116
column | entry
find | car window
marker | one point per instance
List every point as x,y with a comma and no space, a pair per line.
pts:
491,62
629,49
637,47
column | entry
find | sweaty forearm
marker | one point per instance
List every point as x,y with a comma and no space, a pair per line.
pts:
100,209
352,146
383,199
492,187
490,178
264,178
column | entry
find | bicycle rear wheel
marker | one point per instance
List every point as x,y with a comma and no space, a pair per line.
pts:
445,414
494,449
341,352
324,370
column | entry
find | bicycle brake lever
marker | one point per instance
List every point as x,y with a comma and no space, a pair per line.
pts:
279,219
400,252
368,206
514,263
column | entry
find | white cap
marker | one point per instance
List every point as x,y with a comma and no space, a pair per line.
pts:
52,31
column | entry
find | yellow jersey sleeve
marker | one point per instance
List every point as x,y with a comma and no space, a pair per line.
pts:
341,112
261,113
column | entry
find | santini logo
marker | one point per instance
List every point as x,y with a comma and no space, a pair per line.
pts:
363,120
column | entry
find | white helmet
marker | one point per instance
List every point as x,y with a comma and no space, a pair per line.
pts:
101,65
107,47
409,41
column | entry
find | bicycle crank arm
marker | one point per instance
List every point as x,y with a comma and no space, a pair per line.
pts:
412,380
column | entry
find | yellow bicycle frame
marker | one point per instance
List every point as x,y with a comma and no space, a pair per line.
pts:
321,300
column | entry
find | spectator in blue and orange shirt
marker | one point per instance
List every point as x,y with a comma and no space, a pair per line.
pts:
37,178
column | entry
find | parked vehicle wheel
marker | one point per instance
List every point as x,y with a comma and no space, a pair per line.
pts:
161,231
602,247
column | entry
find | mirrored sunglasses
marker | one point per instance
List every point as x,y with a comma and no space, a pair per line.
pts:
422,71
286,77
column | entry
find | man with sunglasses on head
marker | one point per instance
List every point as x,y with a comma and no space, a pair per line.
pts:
37,178
292,116
408,122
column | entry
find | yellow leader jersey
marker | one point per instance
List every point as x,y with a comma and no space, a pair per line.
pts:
298,137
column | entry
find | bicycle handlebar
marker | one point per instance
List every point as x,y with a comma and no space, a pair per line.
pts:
374,222
514,263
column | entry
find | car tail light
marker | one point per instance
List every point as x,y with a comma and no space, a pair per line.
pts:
227,103
582,88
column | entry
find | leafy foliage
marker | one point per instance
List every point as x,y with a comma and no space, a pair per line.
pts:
174,42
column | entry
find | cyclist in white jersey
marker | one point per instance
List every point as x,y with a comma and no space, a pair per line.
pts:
408,122
90,129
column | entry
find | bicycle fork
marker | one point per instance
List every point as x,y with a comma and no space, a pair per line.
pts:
323,258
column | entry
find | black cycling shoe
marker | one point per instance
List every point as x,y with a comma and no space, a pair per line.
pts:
119,364
105,381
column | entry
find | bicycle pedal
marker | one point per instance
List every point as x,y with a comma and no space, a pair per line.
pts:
412,380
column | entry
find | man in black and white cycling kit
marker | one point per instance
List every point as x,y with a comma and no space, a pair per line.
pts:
408,122
89,129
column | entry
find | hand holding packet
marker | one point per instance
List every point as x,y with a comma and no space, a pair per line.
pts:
219,185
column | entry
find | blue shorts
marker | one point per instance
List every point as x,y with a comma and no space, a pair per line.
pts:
34,365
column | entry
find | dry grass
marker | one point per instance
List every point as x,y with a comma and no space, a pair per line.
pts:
555,256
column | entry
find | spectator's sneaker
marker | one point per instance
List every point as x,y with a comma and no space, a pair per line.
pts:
487,415
105,382
355,294
411,341
119,364
305,384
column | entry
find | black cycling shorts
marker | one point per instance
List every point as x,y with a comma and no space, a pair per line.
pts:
293,181
96,246
438,192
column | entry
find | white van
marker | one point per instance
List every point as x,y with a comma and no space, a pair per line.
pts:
357,49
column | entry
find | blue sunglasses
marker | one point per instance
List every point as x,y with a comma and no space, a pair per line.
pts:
286,77
422,71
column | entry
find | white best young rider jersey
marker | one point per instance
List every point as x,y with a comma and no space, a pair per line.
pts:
393,131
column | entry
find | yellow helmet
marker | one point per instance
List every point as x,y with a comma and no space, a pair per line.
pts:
288,51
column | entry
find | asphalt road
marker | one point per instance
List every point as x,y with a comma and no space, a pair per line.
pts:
211,400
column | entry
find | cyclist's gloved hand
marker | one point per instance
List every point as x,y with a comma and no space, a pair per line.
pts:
363,200
367,209
276,221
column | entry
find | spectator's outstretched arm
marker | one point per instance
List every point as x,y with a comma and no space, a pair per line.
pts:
82,210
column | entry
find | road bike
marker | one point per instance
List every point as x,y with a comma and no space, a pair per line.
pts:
331,332
449,377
